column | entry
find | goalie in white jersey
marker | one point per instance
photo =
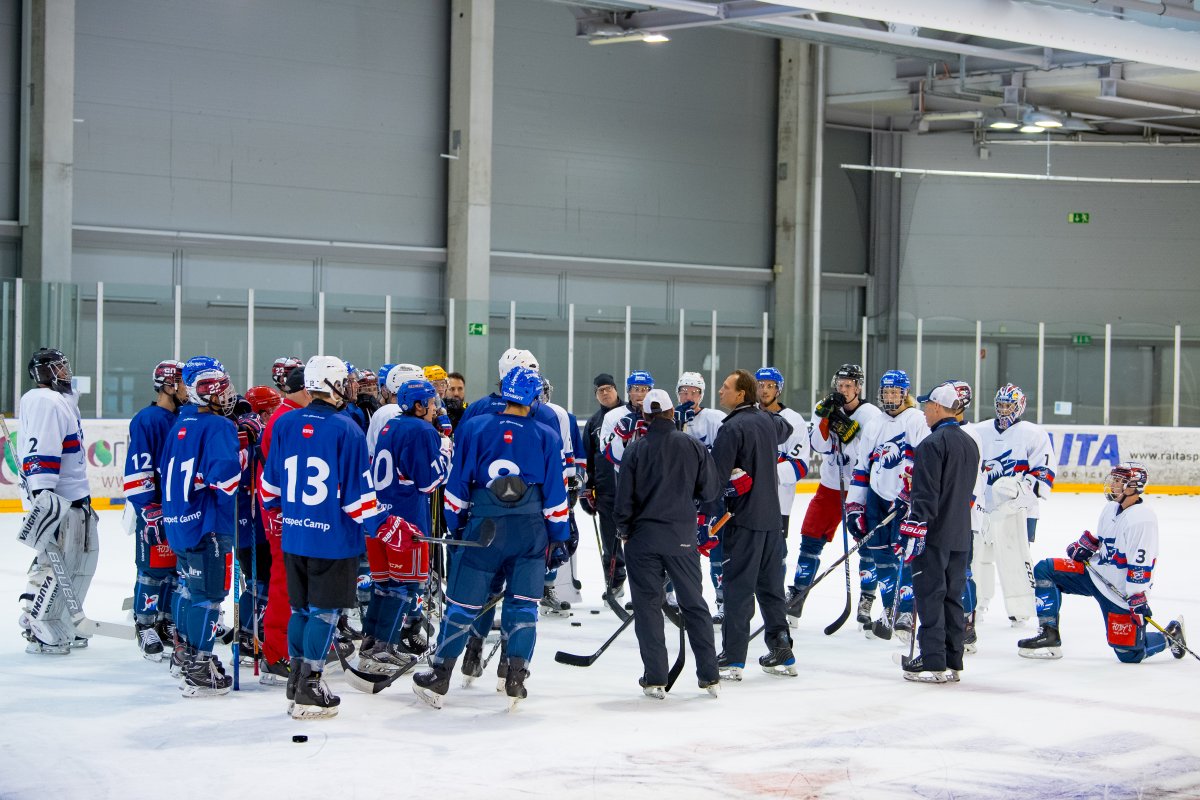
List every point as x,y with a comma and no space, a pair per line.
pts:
1116,567
61,526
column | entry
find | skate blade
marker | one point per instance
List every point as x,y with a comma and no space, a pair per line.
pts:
555,613
1040,653
926,677
154,658
731,674
499,684
467,680
782,671
904,636
433,699
714,691
203,691
513,702
79,643
655,692
271,679
793,622
300,712
970,649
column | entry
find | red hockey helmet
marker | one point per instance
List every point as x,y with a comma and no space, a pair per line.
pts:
263,399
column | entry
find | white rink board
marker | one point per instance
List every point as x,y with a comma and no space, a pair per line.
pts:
103,723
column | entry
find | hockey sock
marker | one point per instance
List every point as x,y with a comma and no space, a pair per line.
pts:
968,595
456,628
716,568
518,622
246,604
551,577
400,603
483,625
370,625
147,598
868,578
888,574
906,590
1155,643
318,635
295,632
166,603
202,619
1048,597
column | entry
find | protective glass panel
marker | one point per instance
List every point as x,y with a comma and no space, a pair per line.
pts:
1074,374
285,324
139,332
213,322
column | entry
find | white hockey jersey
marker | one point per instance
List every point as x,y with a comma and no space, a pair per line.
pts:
612,445
980,479
792,463
52,443
704,426
1128,549
1023,449
886,451
381,417
823,445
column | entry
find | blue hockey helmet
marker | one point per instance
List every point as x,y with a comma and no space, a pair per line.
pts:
521,385
893,379
413,392
381,376
208,384
770,374
639,378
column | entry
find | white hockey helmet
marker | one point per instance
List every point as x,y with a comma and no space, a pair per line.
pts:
513,357
693,379
328,375
401,374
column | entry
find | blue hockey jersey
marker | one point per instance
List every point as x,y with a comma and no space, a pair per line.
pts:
319,476
199,472
357,414
408,466
493,445
147,432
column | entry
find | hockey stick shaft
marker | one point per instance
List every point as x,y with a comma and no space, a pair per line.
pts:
836,625
254,553
1124,597
680,660
235,647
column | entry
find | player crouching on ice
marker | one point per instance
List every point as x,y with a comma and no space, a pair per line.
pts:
507,471
318,476
1116,567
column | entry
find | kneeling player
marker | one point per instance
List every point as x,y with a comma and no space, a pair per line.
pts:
507,469
1115,566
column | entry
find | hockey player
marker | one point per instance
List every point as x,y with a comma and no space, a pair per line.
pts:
200,470
600,492
350,405
61,526
318,476
794,453
153,557
368,393
837,438
1017,467
622,425
408,466
702,424
1116,567
280,369
253,550
746,453
883,460
436,375
395,376
574,472
507,472
278,611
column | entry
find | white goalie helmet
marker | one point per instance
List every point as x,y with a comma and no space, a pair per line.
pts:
326,374
514,357
401,374
693,379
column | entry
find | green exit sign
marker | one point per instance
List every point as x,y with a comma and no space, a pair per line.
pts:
476,329
1079,217
1081,338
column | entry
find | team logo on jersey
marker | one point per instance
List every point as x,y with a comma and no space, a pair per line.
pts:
385,430
307,431
508,437
182,433
891,453
996,468
151,603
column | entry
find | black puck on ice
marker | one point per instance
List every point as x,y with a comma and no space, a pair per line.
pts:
595,611
300,737
576,624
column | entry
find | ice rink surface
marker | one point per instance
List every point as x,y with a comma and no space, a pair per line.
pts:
104,723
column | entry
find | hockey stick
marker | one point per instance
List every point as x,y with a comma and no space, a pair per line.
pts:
880,630
611,575
680,660
573,660
486,534
836,625
236,646
799,598
1096,574
254,556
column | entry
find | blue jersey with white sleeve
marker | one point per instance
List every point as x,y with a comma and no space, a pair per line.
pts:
491,446
147,432
408,465
199,469
318,474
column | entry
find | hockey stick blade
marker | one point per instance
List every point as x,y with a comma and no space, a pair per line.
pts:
881,631
115,630
680,660
572,660
836,625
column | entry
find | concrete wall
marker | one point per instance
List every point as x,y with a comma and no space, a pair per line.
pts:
10,97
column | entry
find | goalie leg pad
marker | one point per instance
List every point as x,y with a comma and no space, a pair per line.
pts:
44,602
44,521
983,570
1014,563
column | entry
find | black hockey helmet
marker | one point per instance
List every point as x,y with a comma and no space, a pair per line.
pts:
50,367
848,372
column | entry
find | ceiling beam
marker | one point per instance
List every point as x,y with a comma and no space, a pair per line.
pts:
1041,26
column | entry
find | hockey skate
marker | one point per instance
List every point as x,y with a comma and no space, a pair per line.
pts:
550,604
313,699
1046,645
79,643
865,601
712,687
180,656
472,665
1177,637
969,635
719,616
37,647
203,676
433,684
384,659
514,682
412,640
294,667
149,642
904,627
916,671
795,605
274,674
654,690
502,666
780,661
730,670
167,633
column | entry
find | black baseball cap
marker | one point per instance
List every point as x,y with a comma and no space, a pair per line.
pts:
604,379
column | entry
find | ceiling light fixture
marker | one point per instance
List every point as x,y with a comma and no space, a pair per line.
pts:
1042,120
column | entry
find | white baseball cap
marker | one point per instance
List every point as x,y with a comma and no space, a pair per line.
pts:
944,395
657,401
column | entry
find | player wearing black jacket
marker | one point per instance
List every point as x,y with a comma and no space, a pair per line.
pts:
600,491
663,475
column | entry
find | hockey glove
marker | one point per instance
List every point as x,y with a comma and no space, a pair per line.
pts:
1139,605
557,554
705,541
273,522
739,483
628,427
856,520
397,533
250,430
1009,488
827,406
684,413
587,501
904,498
912,543
1083,550
844,428
443,423
573,538
154,530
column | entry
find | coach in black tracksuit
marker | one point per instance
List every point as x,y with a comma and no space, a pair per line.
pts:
755,548
601,489
663,474
945,465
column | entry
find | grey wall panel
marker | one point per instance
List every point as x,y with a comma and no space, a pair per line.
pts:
314,120
846,205
632,151
993,249
10,104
